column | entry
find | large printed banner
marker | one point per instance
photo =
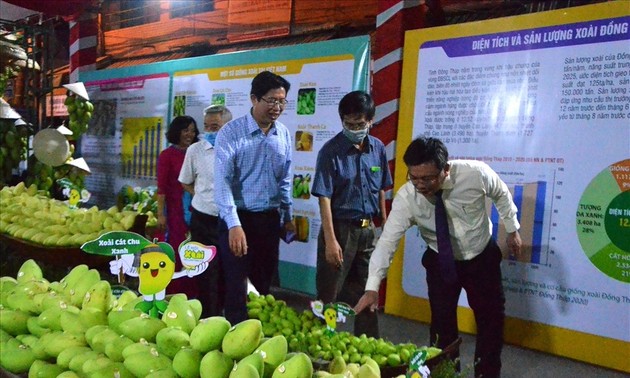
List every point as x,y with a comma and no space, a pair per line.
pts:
311,115
544,100
126,133
134,106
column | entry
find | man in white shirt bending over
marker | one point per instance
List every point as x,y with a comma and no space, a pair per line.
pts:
471,260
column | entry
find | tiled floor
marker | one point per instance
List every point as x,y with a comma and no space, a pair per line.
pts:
517,362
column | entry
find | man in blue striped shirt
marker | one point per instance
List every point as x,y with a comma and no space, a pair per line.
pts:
253,192
351,176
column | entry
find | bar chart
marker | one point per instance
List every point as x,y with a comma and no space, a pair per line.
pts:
533,202
141,145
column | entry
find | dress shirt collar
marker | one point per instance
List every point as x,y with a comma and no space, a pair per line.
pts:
448,183
252,126
350,146
206,145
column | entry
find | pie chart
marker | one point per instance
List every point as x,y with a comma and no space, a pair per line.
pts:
603,221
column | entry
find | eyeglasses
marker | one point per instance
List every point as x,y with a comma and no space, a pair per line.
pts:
273,102
425,179
355,126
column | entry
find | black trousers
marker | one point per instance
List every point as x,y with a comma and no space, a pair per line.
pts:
262,230
348,283
204,229
481,278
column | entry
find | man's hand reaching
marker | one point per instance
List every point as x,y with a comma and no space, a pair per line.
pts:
368,300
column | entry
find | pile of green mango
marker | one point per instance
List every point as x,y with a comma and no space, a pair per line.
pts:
76,327
28,215
13,147
306,101
79,114
307,334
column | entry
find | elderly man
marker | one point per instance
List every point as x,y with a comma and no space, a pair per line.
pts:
197,177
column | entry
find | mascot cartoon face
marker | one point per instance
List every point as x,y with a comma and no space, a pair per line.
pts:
155,270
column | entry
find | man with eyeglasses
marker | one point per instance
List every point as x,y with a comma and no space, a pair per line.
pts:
253,192
463,186
351,176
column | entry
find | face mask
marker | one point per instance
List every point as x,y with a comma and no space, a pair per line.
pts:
356,136
210,136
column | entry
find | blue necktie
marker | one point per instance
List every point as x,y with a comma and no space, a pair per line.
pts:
445,249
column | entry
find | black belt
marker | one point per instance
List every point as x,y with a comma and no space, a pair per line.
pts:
266,213
361,222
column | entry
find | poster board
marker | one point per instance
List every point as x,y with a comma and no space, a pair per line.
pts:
125,138
544,100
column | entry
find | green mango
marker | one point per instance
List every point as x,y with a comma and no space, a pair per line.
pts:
140,346
7,283
179,314
114,350
89,317
77,291
77,361
20,301
70,322
368,371
51,319
62,341
208,334
115,369
131,305
94,364
98,296
29,270
170,340
337,365
43,369
273,351
179,297
28,340
242,339
124,298
92,331
115,317
215,364
39,348
34,328
244,371
37,301
15,357
196,307
101,339
372,363
63,359
70,279
298,366
254,360
353,368
14,322
52,299
186,362
142,327
56,288
143,363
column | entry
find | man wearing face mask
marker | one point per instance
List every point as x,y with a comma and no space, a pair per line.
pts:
351,176
197,178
